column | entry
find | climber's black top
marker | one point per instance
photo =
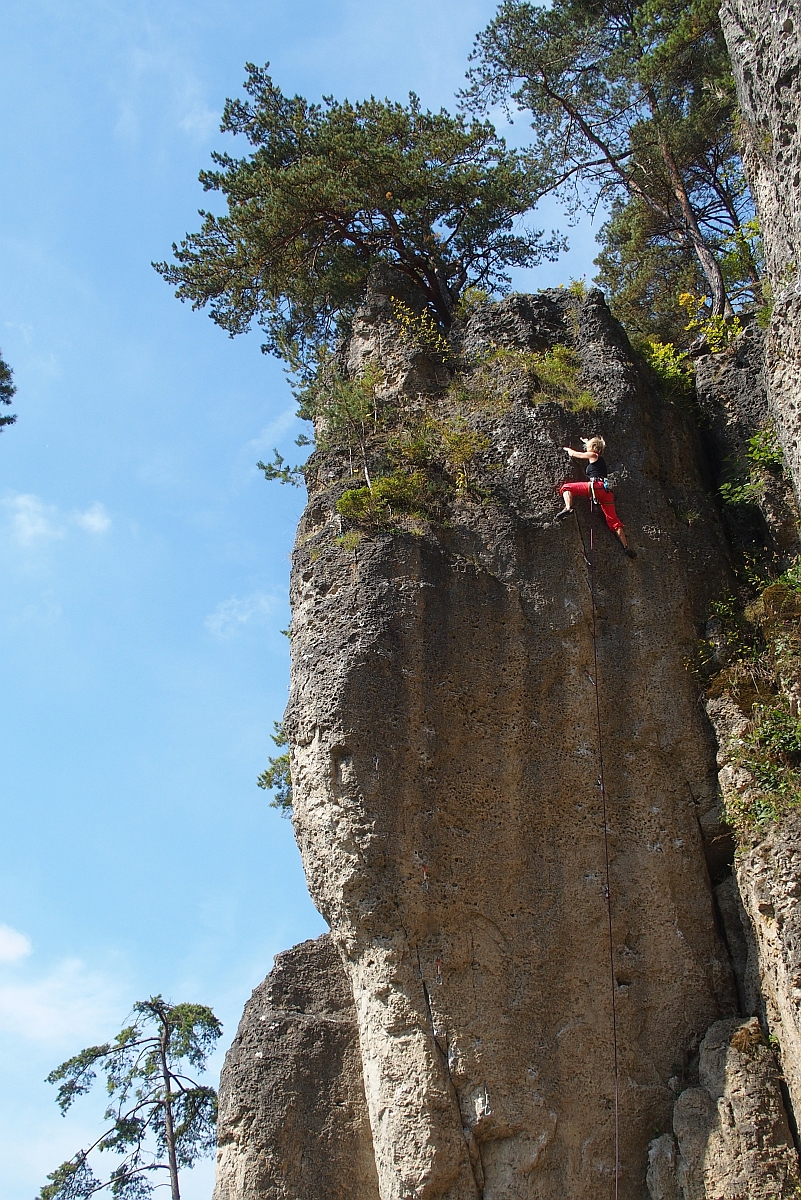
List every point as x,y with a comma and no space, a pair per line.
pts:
597,469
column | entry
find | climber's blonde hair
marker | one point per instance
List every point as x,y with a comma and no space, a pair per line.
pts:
594,445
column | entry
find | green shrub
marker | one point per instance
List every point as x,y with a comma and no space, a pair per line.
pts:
771,753
461,445
278,778
718,331
557,372
470,299
762,645
349,540
746,484
671,365
764,449
421,331
407,492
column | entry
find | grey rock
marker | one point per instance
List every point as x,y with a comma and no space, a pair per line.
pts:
443,755
764,39
661,1176
293,1120
733,1137
769,879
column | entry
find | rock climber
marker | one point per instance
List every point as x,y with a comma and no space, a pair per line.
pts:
596,487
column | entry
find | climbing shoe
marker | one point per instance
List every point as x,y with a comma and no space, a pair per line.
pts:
628,552
566,512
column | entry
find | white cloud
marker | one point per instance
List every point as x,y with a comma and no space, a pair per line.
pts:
32,520
13,945
230,615
95,519
200,122
69,1002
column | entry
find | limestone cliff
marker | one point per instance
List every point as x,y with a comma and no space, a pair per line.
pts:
446,805
764,39
293,1120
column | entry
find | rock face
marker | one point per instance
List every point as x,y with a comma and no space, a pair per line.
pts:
444,750
764,39
732,393
293,1119
453,1038
732,1140
769,878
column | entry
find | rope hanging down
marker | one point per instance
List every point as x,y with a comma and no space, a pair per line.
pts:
590,561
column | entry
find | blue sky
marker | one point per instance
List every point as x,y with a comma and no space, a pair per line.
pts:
143,558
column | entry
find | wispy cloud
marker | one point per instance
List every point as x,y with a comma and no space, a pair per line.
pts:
69,1001
32,520
232,615
95,519
35,522
13,945
200,122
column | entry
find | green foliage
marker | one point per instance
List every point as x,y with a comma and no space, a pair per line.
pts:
557,372
771,752
717,331
7,390
632,106
642,272
742,258
347,415
545,375
671,365
764,449
761,649
471,299
280,470
403,492
421,331
350,540
328,191
733,493
159,1119
460,447
278,777
746,480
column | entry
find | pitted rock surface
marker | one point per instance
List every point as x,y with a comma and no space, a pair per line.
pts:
444,765
732,1139
764,40
293,1120
769,879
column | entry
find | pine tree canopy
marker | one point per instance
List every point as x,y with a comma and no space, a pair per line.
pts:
632,106
330,189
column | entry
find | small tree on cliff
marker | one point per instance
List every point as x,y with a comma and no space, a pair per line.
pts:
159,1119
332,188
7,390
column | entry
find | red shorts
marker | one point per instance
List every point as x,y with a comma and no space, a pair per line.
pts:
605,499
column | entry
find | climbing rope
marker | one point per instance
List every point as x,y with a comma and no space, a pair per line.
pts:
590,561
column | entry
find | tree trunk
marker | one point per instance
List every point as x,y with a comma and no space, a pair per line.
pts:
169,1129
710,266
